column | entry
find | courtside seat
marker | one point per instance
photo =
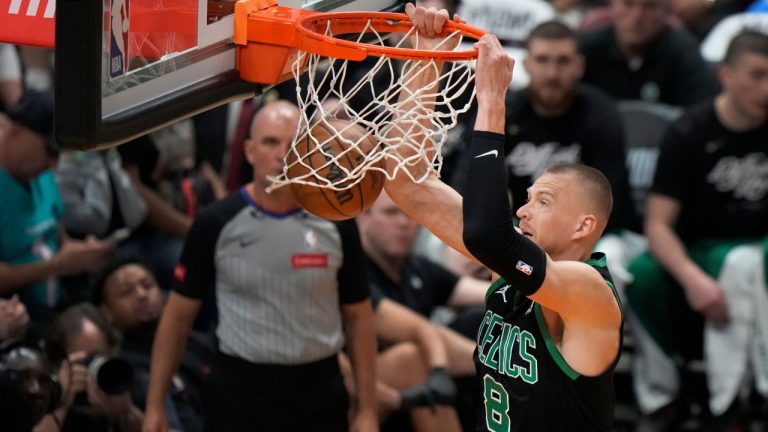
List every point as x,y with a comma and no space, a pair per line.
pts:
645,124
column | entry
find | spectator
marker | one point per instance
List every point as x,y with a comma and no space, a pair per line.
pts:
33,252
27,391
641,57
710,194
700,17
388,236
129,296
163,168
288,287
99,197
77,336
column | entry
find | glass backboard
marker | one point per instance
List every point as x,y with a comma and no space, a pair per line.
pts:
127,67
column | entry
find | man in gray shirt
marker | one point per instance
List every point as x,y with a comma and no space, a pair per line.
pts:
289,287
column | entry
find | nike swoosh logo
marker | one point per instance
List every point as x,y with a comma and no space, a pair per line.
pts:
495,154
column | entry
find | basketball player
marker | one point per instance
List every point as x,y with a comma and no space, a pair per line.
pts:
289,287
551,335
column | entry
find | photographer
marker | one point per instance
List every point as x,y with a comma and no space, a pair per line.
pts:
26,387
128,295
95,385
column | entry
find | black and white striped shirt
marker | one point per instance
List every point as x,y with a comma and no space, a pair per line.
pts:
279,279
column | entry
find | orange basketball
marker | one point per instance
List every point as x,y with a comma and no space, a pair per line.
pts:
328,203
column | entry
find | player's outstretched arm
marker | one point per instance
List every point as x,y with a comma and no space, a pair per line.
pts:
431,203
572,289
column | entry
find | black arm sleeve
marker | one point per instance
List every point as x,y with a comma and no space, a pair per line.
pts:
353,279
489,230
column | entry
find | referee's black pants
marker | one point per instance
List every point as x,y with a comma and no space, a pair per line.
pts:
249,397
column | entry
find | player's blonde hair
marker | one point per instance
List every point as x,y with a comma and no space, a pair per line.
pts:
597,186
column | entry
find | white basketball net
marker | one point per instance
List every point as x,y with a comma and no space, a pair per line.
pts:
383,114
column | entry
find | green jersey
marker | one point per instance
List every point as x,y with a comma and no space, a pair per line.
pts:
527,385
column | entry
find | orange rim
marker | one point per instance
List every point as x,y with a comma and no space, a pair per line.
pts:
311,26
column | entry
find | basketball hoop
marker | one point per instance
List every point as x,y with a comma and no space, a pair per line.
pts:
323,52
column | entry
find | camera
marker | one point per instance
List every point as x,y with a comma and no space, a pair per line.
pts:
112,375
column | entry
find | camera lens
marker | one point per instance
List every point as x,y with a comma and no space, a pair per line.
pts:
112,375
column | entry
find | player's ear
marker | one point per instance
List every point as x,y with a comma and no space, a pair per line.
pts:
586,226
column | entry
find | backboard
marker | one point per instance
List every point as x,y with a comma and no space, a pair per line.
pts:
127,67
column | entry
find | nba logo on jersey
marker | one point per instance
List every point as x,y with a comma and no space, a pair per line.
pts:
118,40
523,267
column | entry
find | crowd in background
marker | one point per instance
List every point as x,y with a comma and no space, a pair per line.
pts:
94,244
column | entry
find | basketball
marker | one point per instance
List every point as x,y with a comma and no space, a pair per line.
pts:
325,202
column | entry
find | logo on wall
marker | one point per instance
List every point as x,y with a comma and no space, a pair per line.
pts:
118,39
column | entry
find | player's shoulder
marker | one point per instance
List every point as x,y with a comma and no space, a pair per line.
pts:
594,269
596,273
599,262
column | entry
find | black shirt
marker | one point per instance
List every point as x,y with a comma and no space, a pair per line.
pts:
671,72
589,132
720,177
423,286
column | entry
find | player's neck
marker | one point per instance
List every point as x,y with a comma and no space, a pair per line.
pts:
572,252
278,201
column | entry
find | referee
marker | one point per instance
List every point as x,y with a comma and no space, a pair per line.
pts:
289,287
